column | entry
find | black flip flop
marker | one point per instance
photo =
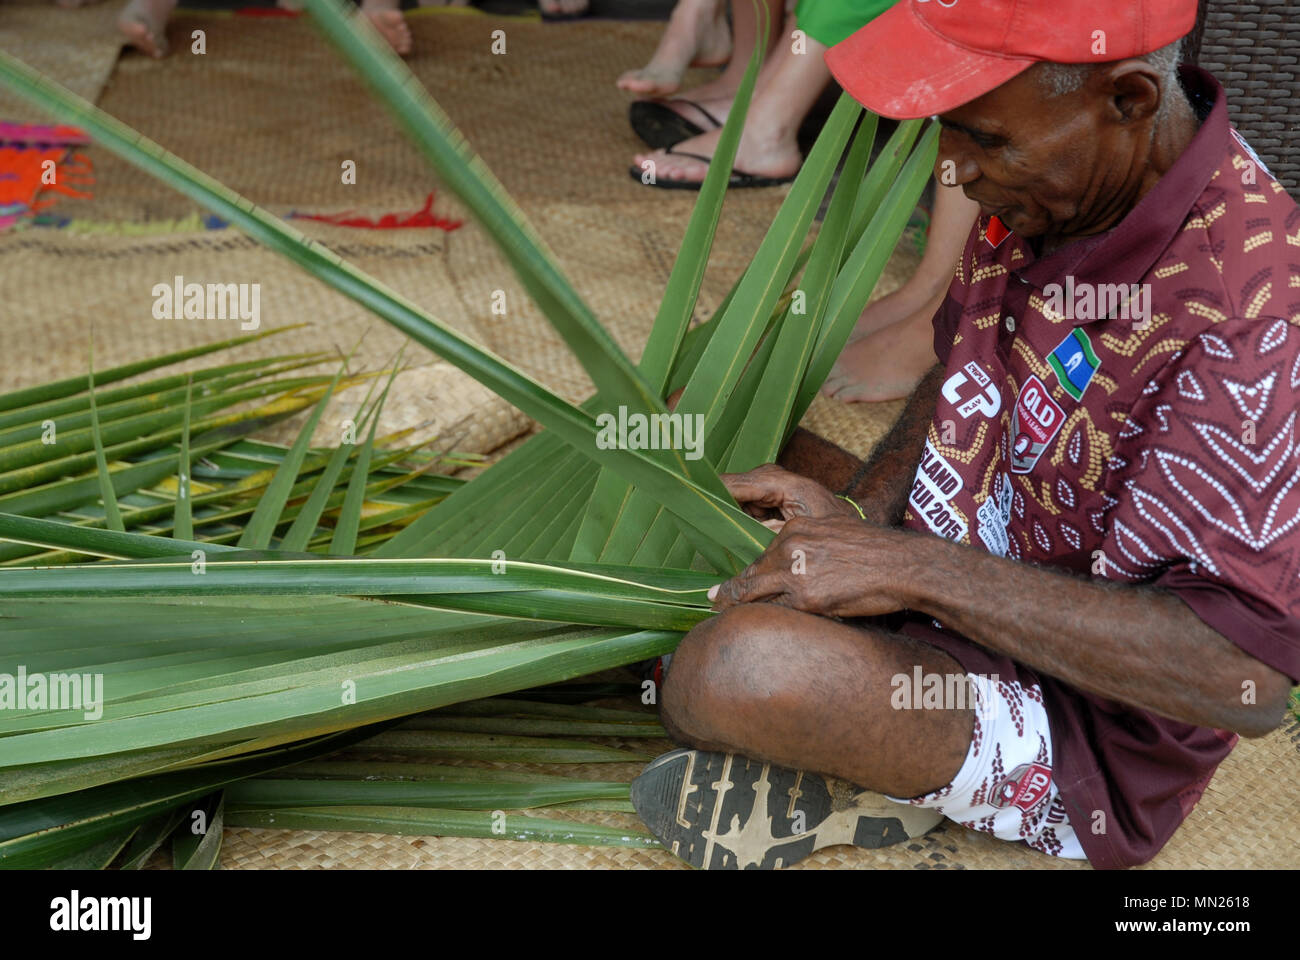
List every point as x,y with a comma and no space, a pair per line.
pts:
721,811
660,126
738,181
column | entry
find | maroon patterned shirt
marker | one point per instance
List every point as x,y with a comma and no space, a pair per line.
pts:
1126,408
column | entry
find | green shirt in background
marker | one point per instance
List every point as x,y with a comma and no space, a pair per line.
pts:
830,21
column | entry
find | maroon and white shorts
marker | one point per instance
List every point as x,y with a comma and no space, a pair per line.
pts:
1005,787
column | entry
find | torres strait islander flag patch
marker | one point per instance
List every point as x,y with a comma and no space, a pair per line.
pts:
1074,362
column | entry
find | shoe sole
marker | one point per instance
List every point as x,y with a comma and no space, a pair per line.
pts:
721,811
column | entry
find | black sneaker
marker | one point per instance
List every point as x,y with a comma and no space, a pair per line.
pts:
722,811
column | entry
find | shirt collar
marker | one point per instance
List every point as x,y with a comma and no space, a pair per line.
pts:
1127,252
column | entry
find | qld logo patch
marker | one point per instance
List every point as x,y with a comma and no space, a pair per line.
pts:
1074,362
1034,424
1025,787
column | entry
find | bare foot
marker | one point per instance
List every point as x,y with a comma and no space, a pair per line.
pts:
757,155
697,35
385,17
144,24
563,8
885,365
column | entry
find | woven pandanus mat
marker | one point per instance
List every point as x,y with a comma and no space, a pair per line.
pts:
75,47
273,112
68,283
270,111
855,427
1246,819
64,284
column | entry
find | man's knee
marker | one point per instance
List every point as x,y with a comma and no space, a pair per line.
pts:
711,663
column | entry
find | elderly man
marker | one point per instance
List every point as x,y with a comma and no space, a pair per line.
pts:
1067,580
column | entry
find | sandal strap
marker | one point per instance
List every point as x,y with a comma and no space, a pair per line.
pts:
683,153
710,117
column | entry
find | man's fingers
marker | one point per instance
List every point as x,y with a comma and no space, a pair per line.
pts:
775,524
747,588
747,488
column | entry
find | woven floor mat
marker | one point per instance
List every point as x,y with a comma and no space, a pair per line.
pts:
273,112
614,237
1246,819
76,48
855,427
70,282
271,87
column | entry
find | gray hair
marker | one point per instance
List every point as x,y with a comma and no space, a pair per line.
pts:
1060,79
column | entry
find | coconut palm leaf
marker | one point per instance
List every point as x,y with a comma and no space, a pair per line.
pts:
46,392
183,517
213,668
196,845
658,471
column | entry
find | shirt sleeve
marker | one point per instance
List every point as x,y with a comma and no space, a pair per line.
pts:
1206,474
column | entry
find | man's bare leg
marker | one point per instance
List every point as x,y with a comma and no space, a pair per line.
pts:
814,694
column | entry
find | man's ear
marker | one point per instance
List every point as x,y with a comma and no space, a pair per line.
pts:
1133,89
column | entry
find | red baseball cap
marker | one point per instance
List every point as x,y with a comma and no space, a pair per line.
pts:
924,57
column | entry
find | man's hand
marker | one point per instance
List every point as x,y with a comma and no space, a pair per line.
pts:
775,495
834,566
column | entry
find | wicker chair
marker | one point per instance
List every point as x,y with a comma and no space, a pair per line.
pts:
1254,51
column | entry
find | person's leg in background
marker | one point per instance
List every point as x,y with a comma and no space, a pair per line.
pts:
792,79
697,35
144,24
789,85
893,343
695,32
563,9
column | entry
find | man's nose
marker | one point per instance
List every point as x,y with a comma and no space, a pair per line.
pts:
954,165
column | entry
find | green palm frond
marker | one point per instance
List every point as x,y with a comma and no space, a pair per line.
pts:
249,606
